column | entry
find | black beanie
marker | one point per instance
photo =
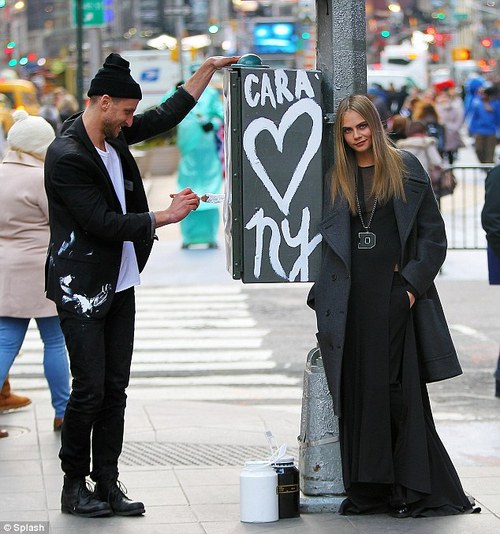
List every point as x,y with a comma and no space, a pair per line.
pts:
114,79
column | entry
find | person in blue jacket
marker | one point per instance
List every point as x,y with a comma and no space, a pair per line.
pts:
200,166
484,124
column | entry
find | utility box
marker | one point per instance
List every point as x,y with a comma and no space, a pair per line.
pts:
274,178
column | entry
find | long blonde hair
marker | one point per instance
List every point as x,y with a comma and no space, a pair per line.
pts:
389,168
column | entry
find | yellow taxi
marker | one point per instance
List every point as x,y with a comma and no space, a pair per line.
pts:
22,94
6,110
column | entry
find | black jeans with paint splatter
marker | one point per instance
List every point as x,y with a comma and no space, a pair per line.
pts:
100,353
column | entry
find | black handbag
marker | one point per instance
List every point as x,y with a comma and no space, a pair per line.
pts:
437,354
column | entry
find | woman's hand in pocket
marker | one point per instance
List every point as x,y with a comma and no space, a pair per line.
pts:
411,296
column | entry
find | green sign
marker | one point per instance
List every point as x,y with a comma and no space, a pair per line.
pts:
93,12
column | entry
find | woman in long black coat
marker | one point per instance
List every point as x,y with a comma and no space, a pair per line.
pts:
384,245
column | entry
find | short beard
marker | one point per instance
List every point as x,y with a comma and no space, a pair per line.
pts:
110,132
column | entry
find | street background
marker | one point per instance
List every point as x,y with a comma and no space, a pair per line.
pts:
216,364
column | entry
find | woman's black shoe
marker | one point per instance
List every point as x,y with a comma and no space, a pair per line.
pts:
400,511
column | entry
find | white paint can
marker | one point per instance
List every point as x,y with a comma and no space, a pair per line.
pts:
258,493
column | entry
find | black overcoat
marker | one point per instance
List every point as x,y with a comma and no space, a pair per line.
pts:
423,250
87,225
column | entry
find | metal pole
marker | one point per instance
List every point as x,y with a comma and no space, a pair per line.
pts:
79,53
95,50
179,34
341,57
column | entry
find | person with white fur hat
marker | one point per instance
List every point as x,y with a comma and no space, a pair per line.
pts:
24,236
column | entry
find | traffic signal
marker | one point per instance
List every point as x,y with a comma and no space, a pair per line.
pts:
385,34
439,15
9,48
486,42
2,3
460,54
213,27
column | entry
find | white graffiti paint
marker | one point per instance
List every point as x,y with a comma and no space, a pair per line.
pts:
83,304
300,268
259,221
258,91
67,244
256,127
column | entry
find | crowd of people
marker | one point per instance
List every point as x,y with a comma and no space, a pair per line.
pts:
434,124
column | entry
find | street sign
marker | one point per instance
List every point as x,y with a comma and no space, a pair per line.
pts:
181,11
93,13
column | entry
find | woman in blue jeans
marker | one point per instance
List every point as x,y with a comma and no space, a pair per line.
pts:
24,235
55,361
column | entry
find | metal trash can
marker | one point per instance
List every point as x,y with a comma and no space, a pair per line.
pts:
319,449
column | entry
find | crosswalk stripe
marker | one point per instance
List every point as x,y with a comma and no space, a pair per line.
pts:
201,340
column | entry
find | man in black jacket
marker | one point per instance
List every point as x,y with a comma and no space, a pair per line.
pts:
101,235
490,218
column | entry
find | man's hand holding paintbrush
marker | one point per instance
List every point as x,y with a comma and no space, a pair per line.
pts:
182,204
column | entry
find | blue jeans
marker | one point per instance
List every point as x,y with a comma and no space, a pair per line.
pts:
55,360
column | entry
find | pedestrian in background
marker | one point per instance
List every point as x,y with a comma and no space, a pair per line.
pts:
102,233
484,123
377,94
10,402
426,112
424,147
200,166
65,103
384,245
49,112
490,219
450,108
398,127
24,236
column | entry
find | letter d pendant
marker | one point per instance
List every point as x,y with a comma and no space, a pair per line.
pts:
367,240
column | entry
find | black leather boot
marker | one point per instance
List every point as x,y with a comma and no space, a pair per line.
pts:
77,499
113,491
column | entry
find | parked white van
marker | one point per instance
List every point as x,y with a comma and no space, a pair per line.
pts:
386,78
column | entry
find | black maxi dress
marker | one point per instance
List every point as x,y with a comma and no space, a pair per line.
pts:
391,453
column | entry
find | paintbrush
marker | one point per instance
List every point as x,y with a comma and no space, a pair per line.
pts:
209,198
212,198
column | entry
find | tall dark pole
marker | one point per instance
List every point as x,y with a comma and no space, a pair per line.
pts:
79,53
341,57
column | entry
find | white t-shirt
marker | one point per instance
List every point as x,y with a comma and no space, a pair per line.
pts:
129,269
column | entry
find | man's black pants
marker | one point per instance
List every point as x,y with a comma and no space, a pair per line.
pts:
100,353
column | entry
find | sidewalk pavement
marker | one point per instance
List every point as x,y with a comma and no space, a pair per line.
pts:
201,496
183,458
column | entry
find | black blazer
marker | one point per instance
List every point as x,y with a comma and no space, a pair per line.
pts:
87,224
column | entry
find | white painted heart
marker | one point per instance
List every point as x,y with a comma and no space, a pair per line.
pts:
306,105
